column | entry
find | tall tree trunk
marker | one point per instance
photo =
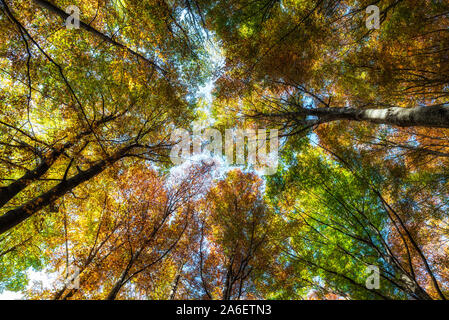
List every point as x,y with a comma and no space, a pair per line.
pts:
10,191
117,286
433,116
175,286
15,216
176,281
124,276
14,188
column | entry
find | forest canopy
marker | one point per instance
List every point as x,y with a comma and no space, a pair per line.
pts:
91,93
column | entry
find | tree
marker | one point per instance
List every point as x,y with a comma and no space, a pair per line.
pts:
305,66
341,219
315,62
77,101
86,117
235,249
128,237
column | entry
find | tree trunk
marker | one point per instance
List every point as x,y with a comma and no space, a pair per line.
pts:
10,191
175,287
15,216
14,188
117,286
433,116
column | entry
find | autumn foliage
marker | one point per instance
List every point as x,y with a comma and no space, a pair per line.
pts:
87,183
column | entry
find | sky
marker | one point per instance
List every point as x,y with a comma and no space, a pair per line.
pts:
36,278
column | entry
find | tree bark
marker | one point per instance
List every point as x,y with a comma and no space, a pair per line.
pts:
14,188
10,191
117,286
433,116
15,216
175,286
